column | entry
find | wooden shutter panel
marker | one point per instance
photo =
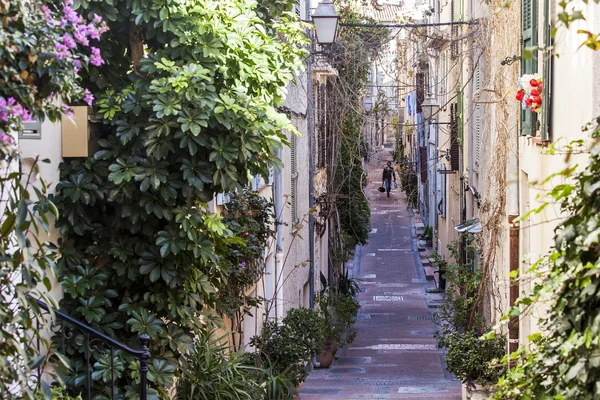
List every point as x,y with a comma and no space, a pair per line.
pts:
321,126
547,77
529,26
454,147
455,11
423,159
330,139
420,90
477,115
294,178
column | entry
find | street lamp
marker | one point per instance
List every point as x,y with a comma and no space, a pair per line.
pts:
326,21
368,104
430,106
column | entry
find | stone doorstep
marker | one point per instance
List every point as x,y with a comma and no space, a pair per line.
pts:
429,273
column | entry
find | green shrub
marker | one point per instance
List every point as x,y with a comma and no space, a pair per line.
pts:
291,344
473,359
211,372
56,393
347,286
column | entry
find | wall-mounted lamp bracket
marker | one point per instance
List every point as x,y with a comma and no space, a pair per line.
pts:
510,60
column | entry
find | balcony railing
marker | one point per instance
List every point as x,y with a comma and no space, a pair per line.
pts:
92,339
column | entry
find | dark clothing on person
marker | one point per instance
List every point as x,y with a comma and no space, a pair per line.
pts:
388,174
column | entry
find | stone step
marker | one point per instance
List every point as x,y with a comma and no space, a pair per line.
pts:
430,273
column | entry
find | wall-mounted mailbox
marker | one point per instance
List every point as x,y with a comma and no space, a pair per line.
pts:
79,136
31,130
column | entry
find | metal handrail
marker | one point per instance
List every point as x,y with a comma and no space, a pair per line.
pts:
143,354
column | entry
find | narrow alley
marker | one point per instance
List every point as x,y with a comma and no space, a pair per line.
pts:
394,355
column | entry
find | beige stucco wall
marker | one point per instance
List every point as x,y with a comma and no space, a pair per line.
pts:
575,102
48,147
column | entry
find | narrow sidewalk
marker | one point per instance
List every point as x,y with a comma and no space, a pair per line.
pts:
394,355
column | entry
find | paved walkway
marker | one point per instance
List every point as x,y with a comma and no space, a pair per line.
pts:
394,355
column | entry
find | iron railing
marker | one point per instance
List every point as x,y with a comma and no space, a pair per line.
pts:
90,335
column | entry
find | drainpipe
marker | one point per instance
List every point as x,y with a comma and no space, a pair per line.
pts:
274,278
513,250
311,172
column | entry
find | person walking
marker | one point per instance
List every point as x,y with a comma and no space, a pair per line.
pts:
387,176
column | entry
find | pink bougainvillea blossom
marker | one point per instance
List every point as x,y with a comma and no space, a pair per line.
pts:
89,98
95,58
93,32
71,15
6,139
12,109
68,110
68,41
81,37
48,15
97,18
62,51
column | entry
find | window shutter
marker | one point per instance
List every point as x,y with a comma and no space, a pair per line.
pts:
423,165
420,90
455,10
477,114
454,147
298,9
529,39
330,139
294,178
547,77
321,127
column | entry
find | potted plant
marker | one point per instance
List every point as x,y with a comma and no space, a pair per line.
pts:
288,346
475,361
426,237
339,310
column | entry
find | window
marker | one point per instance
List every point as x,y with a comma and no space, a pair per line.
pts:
529,34
547,77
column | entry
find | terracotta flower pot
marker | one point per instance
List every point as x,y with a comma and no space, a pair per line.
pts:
325,358
334,347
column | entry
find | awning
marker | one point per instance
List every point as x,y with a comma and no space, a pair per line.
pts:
470,225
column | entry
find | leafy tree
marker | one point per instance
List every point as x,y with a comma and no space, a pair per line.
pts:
187,97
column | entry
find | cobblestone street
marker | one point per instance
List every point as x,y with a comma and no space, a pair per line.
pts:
394,355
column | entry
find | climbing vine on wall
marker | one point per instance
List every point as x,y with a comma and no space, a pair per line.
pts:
351,55
251,219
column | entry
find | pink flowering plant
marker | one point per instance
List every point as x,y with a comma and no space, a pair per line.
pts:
43,46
